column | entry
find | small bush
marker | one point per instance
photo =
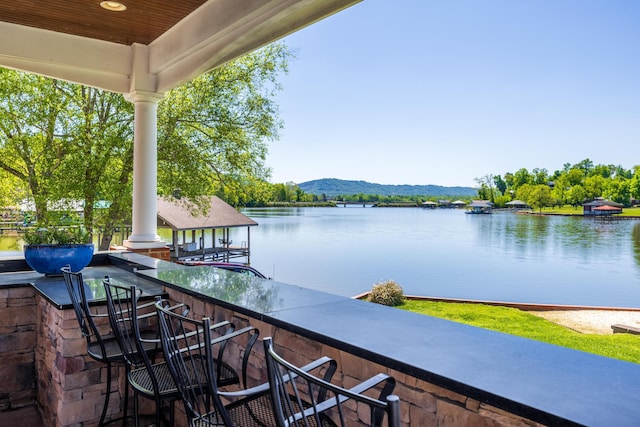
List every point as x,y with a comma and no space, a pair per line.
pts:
57,236
387,293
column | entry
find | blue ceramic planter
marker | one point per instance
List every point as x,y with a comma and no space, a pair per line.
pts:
49,259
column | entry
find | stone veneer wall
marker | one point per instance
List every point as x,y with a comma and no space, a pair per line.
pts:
422,403
17,347
71,385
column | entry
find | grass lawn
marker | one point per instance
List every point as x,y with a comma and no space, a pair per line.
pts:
571,210
517,322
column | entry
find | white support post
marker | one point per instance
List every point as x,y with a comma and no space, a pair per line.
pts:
145,175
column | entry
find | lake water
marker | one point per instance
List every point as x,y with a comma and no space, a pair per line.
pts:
445,253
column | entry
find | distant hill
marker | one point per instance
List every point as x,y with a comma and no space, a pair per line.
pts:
335,187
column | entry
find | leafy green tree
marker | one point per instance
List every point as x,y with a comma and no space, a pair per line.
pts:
603,170
618,190
12,190
33,137
540,197
586,166
486,190
213,131
594,186
501,201
620,172
634,184
501,185
520,178
509,180
279,192
576,195
574,176
540,176
561,188
524,192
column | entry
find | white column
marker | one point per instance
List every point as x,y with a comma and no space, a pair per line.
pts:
145,175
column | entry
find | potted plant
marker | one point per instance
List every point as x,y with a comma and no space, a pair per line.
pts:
48,249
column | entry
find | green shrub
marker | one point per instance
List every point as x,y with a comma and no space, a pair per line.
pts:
387,293
57,236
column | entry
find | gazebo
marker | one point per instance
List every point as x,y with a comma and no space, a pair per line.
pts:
517,204
479,207
429,204
142,49
591,208
195,237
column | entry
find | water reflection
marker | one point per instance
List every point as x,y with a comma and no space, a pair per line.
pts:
635,237
272,212
504,256
240,289
571,237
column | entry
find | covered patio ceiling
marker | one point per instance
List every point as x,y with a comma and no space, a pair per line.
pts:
153,45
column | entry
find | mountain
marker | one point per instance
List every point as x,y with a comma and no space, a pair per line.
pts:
335,187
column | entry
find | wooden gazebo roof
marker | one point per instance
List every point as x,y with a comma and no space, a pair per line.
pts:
177,214
481,204
516,203
602,202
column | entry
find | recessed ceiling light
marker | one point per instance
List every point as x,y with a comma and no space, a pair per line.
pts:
113,6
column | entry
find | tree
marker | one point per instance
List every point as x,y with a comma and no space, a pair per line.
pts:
561,188
12,190
486,190
33,139
576,195
520,178
501,185
574,176
540,176
603,170
593,186
586,166
213,131
618,190
524,192
634,184
540,197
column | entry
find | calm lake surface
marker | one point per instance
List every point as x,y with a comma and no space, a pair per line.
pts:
445,253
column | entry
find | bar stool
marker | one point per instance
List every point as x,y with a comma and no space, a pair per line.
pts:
105,350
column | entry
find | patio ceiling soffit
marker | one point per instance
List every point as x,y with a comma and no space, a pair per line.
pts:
215,33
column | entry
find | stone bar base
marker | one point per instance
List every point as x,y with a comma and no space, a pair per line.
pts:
17,347
71,385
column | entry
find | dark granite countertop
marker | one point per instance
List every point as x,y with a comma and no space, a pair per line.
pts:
549,384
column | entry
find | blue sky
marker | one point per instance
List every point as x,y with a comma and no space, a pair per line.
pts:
442,92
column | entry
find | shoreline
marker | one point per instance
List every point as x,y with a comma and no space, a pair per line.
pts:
583,319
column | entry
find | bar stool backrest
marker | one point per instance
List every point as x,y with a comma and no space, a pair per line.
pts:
77,293
308,400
